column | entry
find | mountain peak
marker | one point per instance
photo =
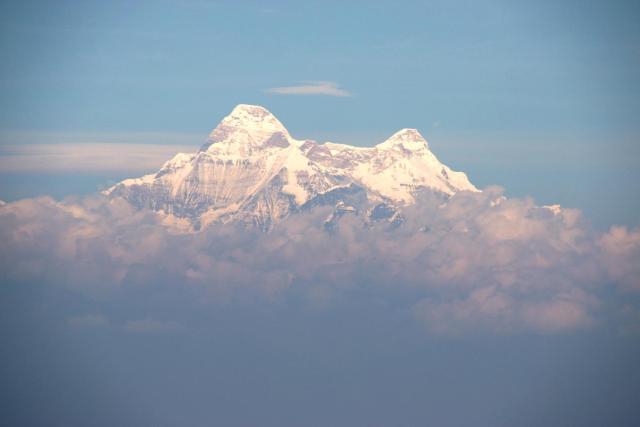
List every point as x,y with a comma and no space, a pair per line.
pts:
253,171
407,138
247,125
252,112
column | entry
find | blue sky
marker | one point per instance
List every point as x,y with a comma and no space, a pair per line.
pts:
179,65
540,98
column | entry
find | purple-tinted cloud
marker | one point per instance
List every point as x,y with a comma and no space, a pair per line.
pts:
477,263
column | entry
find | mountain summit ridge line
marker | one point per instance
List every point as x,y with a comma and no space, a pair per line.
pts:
252,170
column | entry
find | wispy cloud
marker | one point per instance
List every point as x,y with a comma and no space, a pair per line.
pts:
41,151
311,88
17,137
91,157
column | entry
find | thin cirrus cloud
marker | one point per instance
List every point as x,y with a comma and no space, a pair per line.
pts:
41,151
325,88
85,157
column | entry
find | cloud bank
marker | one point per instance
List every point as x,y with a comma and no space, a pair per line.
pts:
311,88
479,263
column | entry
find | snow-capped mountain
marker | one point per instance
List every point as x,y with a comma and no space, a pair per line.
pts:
251,169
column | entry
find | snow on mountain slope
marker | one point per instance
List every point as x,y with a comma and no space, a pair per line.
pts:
396,167
252,169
